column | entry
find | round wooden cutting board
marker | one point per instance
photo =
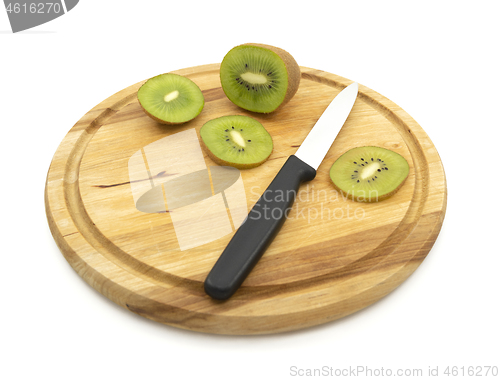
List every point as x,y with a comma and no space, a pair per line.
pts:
332,257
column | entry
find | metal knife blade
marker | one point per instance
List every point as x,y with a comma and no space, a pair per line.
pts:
317,143
271,210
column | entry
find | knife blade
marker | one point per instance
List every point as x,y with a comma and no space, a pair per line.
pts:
271,210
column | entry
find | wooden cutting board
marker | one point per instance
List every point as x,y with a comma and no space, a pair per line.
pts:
332,257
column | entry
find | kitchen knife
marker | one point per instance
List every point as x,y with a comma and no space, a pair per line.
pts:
271,210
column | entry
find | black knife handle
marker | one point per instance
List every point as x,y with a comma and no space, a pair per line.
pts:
258,231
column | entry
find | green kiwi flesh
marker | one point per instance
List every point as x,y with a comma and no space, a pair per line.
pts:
259,78
171,98
369,173
238,141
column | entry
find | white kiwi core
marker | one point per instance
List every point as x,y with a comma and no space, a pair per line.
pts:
171,96
238,138
254,78
370,170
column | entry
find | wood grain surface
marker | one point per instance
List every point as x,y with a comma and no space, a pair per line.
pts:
332,257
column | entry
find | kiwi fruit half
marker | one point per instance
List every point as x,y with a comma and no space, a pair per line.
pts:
369,173
259,78
238,141
171,99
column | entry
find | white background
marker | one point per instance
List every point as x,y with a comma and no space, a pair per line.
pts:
438,60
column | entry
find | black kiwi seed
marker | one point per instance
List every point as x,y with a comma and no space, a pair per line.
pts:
355,162
249,140
379,170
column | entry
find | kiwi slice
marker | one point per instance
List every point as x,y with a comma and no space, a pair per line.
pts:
259,78
171,99
369,173
238,141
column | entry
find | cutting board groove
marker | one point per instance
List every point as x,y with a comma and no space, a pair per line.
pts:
317,270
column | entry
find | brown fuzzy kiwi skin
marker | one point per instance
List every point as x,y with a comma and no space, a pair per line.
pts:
221,162
292,69
161,121
370,200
